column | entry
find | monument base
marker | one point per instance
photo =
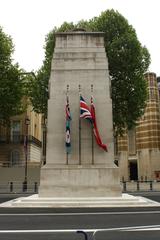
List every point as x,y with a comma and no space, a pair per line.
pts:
125,200
79,181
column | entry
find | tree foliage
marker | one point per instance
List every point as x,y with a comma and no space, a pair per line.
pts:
39,85
128,61
11,86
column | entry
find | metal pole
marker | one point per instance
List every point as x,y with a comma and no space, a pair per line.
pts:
92,128
26,159
79,128
67,158
67,102
92,146
79,141
27,121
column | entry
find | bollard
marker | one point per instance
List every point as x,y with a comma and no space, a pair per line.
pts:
151,185
35,187
84,234
137,185
11,186
124,186
24,186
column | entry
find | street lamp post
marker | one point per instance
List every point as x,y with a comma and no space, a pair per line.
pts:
27,122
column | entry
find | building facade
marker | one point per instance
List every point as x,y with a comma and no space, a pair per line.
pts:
21,141
138,151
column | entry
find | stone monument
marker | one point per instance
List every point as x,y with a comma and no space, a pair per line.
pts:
79,66
87,176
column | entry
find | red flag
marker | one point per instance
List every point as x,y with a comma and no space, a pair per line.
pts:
95,129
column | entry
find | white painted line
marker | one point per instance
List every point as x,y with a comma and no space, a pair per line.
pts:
143,229
136,228
78,214
128,228
38,231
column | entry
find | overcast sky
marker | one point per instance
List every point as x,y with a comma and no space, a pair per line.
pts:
28,22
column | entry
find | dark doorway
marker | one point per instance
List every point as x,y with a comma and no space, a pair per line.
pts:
133,170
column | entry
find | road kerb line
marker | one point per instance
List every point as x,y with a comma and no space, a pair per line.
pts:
78,214
134,228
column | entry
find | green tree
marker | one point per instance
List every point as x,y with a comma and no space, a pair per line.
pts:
128,61
11,87
39,85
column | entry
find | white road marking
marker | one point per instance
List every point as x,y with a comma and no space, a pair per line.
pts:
78,214
135,228
143,229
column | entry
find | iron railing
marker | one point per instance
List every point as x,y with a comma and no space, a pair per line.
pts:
32,187
19,139
18,187
137,186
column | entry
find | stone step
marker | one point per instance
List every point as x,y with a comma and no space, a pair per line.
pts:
81,204
81,201
125,201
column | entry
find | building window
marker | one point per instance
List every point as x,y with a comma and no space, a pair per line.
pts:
151,82
35,131
157,175
15,157
15,131
116,162
159,88
152,93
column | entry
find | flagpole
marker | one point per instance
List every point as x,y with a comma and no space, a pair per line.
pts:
66,158
67,101
79,128
92,129
80,141
92,147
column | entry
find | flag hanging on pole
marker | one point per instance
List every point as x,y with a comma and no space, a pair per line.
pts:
85,110
68,131
89,113
95,129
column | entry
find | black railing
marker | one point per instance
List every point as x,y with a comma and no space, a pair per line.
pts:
132,186
34,140
19,139
18,187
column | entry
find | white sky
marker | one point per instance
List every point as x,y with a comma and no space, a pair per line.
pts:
28,22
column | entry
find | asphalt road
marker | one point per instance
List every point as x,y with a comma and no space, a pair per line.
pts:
127,224
63,224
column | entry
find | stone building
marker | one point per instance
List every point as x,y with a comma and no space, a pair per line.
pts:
12,151
158,81
138,151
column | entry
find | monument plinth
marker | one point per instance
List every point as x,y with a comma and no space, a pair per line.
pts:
79,66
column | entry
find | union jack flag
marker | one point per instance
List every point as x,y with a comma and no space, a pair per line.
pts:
84,110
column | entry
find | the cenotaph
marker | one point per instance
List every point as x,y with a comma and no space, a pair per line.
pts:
79,66
87,176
